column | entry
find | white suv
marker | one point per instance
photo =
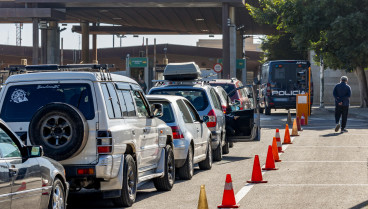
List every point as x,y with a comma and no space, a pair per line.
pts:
99,126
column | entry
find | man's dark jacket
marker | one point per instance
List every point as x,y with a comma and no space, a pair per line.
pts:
342,93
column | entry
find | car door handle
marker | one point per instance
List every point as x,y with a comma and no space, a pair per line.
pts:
13,171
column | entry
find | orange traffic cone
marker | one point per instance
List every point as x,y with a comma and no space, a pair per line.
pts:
270,162
287,139
275,152
257,173
298,123
294,132
278,140
228,199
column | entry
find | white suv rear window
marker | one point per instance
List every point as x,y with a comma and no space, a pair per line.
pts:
22,101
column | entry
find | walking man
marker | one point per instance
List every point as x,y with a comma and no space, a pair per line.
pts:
342,93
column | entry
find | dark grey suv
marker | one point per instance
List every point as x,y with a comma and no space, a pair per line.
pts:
28,180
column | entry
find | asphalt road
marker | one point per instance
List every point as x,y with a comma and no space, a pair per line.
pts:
321,169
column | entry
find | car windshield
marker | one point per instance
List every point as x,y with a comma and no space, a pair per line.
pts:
22,101
168,115
227,87
196,96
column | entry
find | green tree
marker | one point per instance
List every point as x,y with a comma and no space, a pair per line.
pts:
335,29
280,47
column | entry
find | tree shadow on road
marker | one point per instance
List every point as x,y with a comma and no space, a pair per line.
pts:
360,206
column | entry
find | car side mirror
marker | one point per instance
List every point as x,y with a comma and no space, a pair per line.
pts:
157,110
205,119
35,151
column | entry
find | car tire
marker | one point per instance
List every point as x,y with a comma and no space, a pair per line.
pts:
166,183
129,187
207,163
186,172
231,144
267,110
217,153
261,110
58,196
60,129
226,148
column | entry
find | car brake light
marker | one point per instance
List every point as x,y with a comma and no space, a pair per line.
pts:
212,120
223,108
268,89
177,134
104,142
104,149
85,171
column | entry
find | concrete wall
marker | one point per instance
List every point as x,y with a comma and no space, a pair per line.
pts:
332,77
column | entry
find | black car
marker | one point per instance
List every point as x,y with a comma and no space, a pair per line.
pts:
27,179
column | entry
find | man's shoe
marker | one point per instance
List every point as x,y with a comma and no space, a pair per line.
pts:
344,130
337,127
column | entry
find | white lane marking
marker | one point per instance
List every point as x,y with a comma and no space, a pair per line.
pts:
247,187
332,146
326,161
313,185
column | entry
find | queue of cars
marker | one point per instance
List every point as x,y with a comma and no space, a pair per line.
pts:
112,138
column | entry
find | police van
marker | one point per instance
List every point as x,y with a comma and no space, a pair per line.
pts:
281,81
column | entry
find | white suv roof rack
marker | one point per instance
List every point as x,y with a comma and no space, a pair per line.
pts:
103,69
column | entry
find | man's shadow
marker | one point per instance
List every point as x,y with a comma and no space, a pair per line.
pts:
331,134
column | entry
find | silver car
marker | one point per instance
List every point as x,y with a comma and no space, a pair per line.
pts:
205,100
28,180
191,136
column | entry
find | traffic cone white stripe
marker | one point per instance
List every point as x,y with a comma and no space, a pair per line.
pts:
228,186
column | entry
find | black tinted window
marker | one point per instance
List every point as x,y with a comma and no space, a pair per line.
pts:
192,111
129,104
22,101
226,86
168,115
108,99
196,96
114,100
184,112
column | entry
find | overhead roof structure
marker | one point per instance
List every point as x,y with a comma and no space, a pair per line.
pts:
134,16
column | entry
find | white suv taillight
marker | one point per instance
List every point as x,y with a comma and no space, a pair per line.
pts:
104,142
212,119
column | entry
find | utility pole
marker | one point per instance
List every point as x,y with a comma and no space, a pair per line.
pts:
322,84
